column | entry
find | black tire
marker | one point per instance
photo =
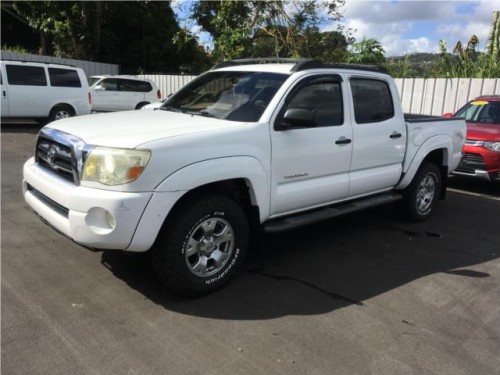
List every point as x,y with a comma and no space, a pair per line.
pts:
420,197
141,104
60,112
202,246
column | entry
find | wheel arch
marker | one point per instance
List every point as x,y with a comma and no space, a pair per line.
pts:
62,105
246,184
434,150
141,104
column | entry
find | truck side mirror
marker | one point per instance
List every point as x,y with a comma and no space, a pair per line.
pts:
448,114
296,118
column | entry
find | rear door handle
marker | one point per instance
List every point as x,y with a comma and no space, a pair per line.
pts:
395,135
343,141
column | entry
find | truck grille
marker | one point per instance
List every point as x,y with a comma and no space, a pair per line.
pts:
55,157
470,163
61,153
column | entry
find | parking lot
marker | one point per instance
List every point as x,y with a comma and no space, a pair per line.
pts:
362,294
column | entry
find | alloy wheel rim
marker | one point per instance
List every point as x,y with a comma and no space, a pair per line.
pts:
61,114
209,247
425,193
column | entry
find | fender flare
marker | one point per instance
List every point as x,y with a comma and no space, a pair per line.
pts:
439,142
215,170
195,175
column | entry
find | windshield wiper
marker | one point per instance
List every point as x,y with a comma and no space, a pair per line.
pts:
170,108
207,114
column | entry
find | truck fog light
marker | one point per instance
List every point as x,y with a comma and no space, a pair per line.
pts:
100,221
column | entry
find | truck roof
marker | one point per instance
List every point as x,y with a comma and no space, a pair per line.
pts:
285,65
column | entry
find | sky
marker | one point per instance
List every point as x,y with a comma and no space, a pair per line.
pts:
418,26
406,26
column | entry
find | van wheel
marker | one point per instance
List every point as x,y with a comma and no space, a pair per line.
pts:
140,105
420,197
202,246
61,111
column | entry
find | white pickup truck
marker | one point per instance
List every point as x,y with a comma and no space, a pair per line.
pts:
245,146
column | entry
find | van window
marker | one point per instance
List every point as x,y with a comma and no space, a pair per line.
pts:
26,75
64,78
372,100
132,85
109,84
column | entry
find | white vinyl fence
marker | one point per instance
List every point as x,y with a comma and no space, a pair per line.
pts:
436,96
168,84
427,96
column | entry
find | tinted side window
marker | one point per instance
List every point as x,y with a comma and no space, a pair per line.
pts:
109,84
137,86
372,100
64,78
322,98
26,75
490,113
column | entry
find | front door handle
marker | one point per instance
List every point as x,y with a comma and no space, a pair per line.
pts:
395,135
343,141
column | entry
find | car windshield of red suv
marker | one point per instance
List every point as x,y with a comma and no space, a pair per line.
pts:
481,111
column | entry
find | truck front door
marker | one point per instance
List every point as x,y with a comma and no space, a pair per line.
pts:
311,158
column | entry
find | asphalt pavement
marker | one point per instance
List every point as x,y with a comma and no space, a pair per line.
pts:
361,294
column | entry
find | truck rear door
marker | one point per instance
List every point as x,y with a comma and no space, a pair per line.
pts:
379,135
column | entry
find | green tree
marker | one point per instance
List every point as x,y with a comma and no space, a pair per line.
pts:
269,28
366,51
328,46
137,35
493,49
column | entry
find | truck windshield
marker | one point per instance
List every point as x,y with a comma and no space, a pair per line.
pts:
234,96
481,111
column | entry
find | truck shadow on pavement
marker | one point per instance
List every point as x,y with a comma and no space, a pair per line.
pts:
338,263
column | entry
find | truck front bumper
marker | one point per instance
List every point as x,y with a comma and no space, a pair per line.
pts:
95,218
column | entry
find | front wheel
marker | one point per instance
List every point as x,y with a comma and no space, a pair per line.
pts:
201,247
420,197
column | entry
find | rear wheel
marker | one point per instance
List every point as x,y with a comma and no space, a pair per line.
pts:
60,112
201,247
420,197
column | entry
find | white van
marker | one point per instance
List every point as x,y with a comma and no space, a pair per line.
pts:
121,93
43,91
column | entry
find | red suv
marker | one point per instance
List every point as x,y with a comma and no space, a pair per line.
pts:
482,146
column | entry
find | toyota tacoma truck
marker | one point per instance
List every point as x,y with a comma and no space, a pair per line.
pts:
250,145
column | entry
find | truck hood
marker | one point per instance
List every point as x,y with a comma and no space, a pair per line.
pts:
483,132
130,129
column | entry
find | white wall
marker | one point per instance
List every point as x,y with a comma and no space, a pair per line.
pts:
429,96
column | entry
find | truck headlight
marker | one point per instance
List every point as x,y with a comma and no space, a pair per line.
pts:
493,146
114,166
